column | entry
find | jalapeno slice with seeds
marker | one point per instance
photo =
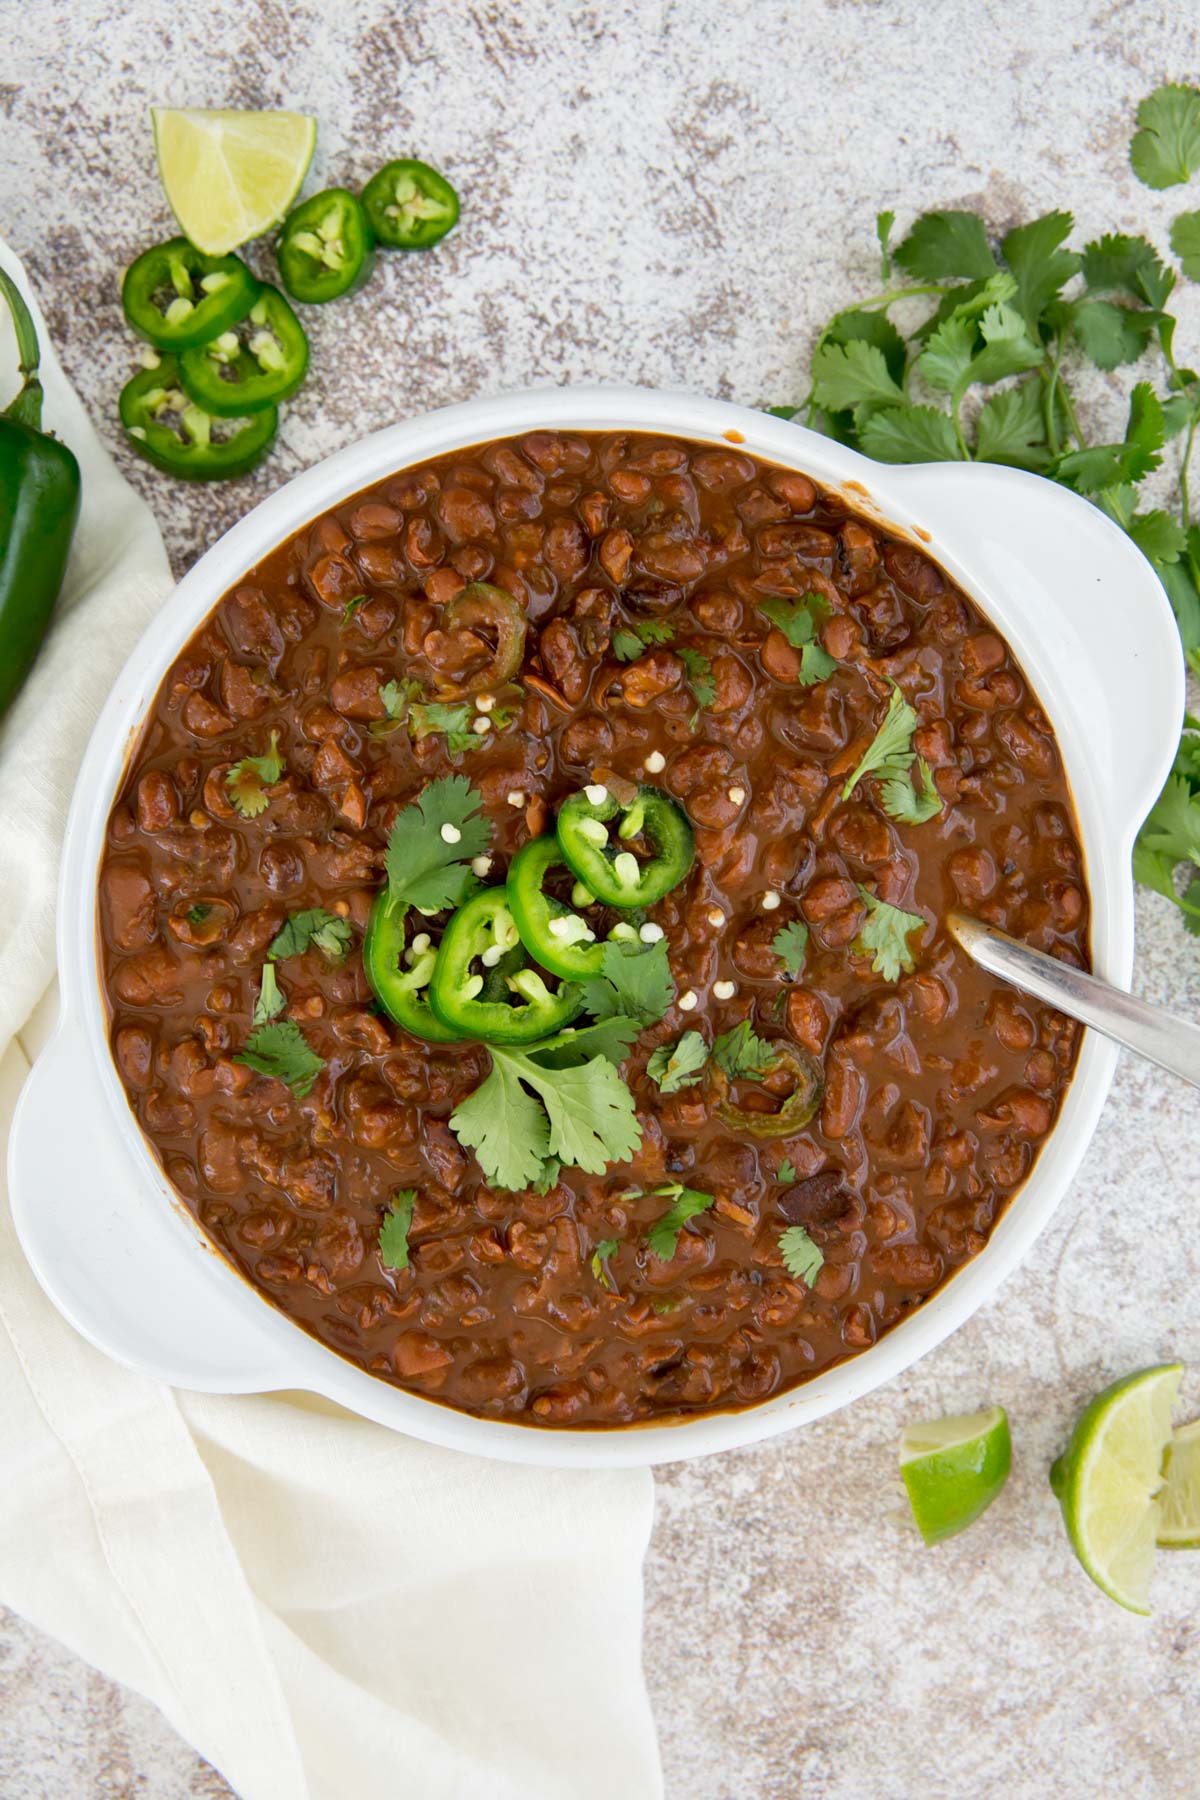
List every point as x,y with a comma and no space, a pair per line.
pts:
484,930
410,206
180,438
613,872
257,363
175,296
399,972
554,935
326,248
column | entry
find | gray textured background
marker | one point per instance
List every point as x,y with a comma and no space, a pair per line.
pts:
677,194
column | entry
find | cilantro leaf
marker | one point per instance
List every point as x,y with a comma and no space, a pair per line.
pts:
678,1065
1157,535
247,779
331,935
739,1053
1042,269
431,844
699,674
946,358
396,696
602,1255
1109,334
791,946
1131,265
1107,465
854,326
1172,827
802,1259
852,374
1185,242
1011,427
505,1126
901,434
1166,147
884,937
351,607
890,751
1007,350
634,983
271,998
948,243
908,802
798,621
630,641
393,1232
429,719
785,1171
613,1037
686,1203
281,1050
586,1118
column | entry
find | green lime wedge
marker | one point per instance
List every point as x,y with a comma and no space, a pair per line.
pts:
954,1468
230,176
1109,1477
1179,1526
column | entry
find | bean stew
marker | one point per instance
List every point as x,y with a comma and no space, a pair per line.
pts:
757,748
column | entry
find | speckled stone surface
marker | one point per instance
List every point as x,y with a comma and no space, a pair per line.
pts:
677,194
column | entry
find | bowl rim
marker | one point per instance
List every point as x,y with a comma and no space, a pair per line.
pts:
903,498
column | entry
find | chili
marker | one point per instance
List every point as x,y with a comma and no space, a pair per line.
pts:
183,439
402,992
39,505
490,615
615,874
254,364
797,1110
326,248
554,935
174,296
484,930
410,206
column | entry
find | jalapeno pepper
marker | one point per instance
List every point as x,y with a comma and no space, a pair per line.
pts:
175,296
410,205
326,248
796,1111
403,992
181,438
613,873
555,936
484,929
492,615
39,504
257,363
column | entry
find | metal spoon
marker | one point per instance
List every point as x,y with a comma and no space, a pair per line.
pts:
1150,1031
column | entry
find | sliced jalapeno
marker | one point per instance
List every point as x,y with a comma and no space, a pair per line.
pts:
410,205
491,615
615,873
181,438
483,930
399,972
326,248
796,1111
554,935
257,363
174,296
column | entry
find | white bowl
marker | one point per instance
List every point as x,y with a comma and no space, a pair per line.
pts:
126,1263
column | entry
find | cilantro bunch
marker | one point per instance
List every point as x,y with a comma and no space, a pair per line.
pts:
969,353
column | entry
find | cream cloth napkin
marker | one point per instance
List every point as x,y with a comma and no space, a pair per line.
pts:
323,1608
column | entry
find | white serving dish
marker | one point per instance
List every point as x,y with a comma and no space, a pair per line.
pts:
125,1262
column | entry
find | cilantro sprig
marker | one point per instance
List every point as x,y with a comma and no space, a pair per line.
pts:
631,641
634,984
986,374
394,1230
678,1065
802,1259
248,780
331,935
700,679
280,1049
798,620
890,758
662,1238
790,945
886,937
431,844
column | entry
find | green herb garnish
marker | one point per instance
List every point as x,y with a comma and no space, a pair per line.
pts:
393,1232
801,1257
678,1065
331,935
602,1255
432,843
885,937
248,779
700,679
636,983
454,722
281,1050
798,620
740,1054
271,999
686,1203
791,947
631,641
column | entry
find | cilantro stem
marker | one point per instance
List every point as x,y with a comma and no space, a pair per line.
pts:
1184,500
890,295
1050,406
956,410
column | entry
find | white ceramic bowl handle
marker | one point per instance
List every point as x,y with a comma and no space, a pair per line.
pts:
108,1249
1108,644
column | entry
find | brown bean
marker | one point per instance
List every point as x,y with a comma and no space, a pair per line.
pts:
157,801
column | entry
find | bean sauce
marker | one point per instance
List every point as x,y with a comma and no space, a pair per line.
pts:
939,1087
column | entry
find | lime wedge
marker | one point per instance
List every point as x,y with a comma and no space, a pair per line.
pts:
1109,1477
230,176
1179,1527
954,1468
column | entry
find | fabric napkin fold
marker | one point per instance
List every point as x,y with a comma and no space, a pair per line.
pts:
322,1607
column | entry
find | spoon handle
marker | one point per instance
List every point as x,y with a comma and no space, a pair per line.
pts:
1151,1031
